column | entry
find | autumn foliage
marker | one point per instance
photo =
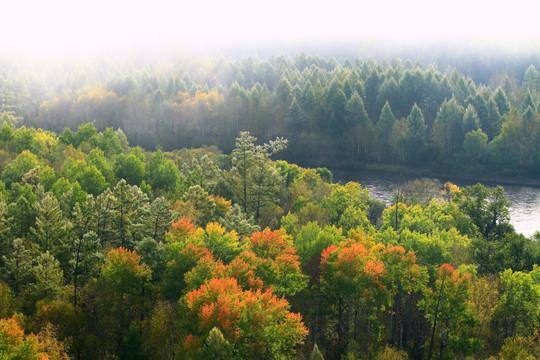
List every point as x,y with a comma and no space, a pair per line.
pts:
257,323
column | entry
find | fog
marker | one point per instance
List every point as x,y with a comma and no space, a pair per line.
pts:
62,27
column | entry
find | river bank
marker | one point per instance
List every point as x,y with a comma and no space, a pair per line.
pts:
407,173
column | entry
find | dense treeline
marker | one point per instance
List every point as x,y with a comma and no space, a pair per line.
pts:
351,111
111,252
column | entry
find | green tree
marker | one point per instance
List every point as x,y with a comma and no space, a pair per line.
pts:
493,126
399,137
448,133
17,266
238,221
51,229
163,173
120,296
475,142
502,101
416,137
254,180
518,310
128,210
47,279
358,119
109,142
160,218
448,310
85,133
16,169
384,130
130,168
487,208
470,119
97,158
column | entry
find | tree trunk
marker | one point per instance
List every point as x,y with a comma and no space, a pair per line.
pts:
435,321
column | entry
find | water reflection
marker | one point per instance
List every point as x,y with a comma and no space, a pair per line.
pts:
524,211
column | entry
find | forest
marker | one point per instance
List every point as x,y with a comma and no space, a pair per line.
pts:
156,210
112,251
344,113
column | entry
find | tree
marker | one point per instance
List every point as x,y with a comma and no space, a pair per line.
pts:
399,137
254,180
51,229
487,208
120,295
96,157
224,246
470,119
256,324
109,142
47,279
14,344
502,101
88,176
358,119
448,133
493,126
162,173
475,142
448,310
316,354
518,311
238,221
16,169
127,212
159,218
18,266
130,168
203,172
384,129
416,137
336,102
273,259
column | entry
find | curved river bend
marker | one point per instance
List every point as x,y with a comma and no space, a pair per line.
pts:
524,211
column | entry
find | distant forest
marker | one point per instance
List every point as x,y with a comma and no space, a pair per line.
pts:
345,112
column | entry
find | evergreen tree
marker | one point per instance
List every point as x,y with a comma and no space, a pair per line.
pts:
51,229
502,101
416,123
253,180
448,133
316,354
17,266
470,119
494,123
384,129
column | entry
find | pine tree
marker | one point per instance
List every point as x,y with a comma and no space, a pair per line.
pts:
502,101
384,129
316,354
17,266
494,124
470,119
51,229
416,123
253,180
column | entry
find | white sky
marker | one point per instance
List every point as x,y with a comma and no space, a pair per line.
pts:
84,27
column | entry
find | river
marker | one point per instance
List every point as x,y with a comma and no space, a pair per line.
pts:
524,211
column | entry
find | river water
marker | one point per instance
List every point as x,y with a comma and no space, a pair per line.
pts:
524,211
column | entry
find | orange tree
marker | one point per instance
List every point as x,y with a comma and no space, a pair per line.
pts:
255,324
